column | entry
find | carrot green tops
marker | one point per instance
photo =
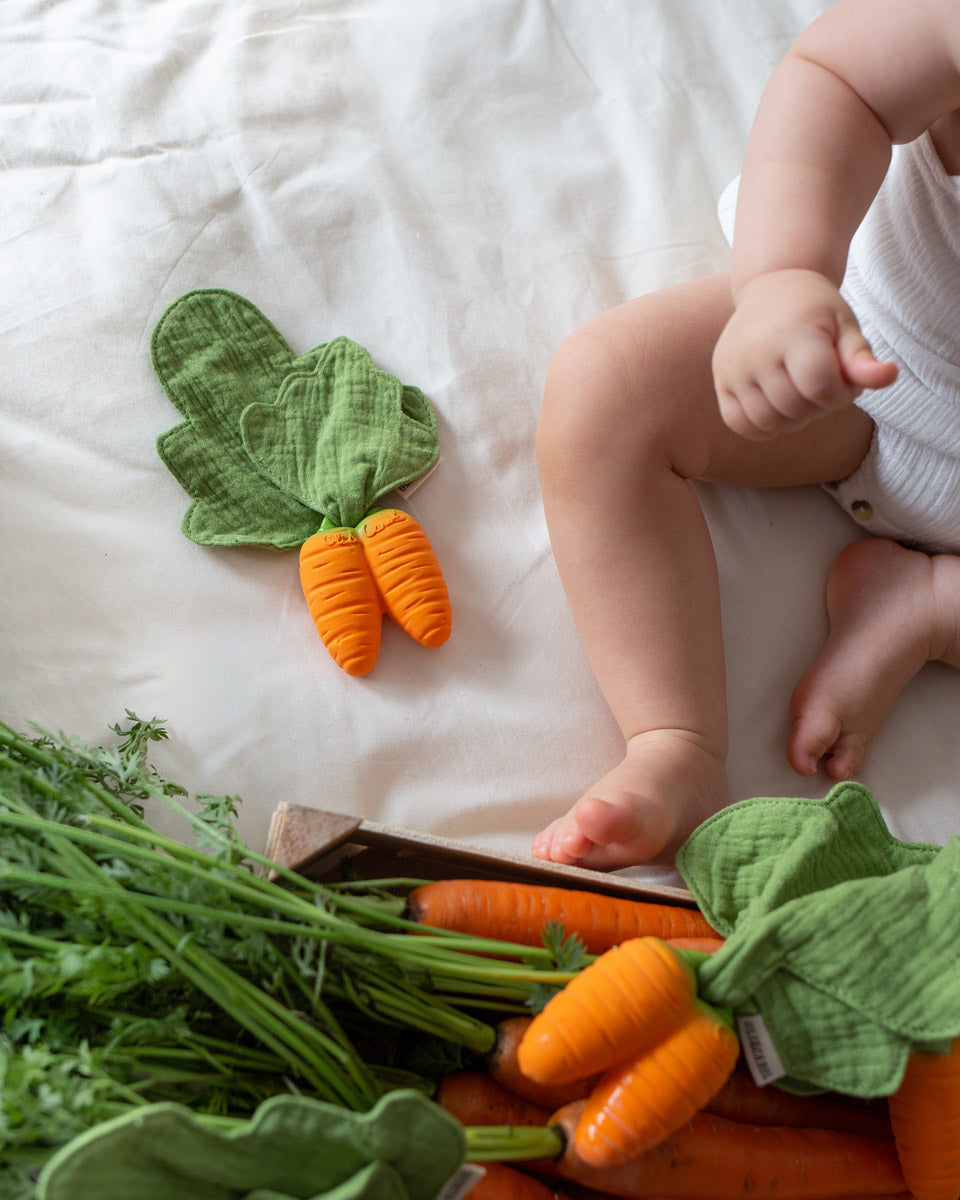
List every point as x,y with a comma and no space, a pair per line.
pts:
840,936
275,445
405,1148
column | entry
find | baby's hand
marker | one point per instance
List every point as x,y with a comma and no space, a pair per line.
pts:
792,352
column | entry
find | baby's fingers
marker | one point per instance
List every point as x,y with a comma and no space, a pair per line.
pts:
765,409
746,412
814,366
861,368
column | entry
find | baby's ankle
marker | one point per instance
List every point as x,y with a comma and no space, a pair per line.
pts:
683,742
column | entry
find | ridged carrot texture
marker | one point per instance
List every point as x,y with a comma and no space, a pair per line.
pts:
925,1117
502,1064
622,1003
713,1159
517,912
635,1106
343,598
406,571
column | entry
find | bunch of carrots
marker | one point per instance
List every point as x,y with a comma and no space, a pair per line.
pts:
352,576
639,1081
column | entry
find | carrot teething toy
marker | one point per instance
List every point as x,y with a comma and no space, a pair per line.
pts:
618,1006
635,1106
285,450
634,1014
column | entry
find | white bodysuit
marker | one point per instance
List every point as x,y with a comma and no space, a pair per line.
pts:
903,284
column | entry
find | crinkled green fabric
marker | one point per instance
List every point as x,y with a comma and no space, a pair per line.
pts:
843,938
273,442
293,1148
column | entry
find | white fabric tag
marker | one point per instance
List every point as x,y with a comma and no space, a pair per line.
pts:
461,1181
759,1050
407,489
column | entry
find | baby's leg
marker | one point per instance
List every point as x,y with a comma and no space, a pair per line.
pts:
891,610
629,417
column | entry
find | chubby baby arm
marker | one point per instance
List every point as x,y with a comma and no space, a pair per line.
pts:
791,352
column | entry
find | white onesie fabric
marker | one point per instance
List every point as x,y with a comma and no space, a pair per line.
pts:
903,284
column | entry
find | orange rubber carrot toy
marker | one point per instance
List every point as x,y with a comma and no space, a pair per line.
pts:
286,450
633,1014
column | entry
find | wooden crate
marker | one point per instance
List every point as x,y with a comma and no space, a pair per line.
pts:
320,844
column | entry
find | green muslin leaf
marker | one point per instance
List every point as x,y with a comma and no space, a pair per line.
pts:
341,434
215,354
841,936
405,1148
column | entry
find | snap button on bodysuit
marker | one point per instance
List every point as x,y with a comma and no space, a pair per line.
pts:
862,510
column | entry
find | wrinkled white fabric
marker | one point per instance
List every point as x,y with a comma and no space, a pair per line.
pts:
456,187
903,282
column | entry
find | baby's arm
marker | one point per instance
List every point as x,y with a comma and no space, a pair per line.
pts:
865,75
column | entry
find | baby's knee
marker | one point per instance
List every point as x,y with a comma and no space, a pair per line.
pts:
591,409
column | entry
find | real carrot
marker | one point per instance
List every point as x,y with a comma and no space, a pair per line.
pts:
623,1002
504,1067
476,1099
710,1158
740,1099
925,1117
342,598
501,1182
635,1106
518,912
407,574
703,945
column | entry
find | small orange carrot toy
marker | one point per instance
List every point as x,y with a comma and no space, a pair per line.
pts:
634,1107
504,1068
273,442
925,1116
407,574
342,598
518,912
350,577
621,1004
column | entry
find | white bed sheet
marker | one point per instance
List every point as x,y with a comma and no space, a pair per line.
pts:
456,185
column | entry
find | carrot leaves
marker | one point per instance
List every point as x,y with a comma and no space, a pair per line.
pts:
273,442
137,969
841,936
215,354
567,954
341,435
406,1148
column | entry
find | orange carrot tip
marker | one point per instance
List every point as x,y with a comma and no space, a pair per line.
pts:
342,597
635,1106
407,574
925,1117
624,1002
502,1065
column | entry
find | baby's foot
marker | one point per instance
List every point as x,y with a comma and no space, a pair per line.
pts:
891,610
644,808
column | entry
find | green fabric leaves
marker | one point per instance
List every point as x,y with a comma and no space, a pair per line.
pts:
842,937
406,1148
274,442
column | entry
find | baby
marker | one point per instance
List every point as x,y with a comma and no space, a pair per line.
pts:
768,377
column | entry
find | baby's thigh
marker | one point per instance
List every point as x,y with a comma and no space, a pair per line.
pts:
642,373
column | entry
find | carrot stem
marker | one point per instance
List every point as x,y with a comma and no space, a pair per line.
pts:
513,1143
